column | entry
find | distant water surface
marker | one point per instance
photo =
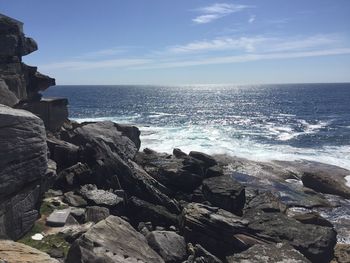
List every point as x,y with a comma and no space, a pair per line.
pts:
262,122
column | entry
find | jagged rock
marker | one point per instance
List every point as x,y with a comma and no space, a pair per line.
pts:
96,213
341,253
315,242
274,253
266,202
200,255
205,158
13,252
132,132
23,166
112,240
179,174
7,97
74,176
78,214
65,154
74,200
224,192
178,153
141,210
169,245
214,171
312,218
102,198
213,228
73,232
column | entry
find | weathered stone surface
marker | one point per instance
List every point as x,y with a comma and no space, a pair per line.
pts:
7,97
74,176
169,245
274,253
315,242
112,240
341,253
13,252
96,213
23,166
74,200
144,211
58,218
100,197
200,255
266,202
213,228
73,232
224,192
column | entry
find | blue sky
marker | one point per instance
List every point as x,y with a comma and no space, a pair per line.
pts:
187,41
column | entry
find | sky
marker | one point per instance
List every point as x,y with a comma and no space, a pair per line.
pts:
168,42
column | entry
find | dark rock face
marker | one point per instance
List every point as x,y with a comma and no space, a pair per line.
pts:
269,254
74,200
266,202
315,242
224,192
7,97
22,80
96,213
23,166
169,245
205,158
199,254
145,211
213,228
74,176
112,240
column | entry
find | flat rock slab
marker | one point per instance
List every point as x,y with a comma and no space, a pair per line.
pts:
58,218
13,252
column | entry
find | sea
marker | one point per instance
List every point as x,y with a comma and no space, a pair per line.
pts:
258,122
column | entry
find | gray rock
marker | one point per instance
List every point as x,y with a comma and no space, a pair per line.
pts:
224,192
169,245
74,176
7,97
65,154
100,197
267,202
73,232
315,242
19,253
205,158
78,214
74,200
274,253
23,167
58,218
112,240
96,213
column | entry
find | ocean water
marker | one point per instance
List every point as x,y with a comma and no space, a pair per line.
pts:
260,122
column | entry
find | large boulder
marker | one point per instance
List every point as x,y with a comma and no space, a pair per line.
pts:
213,228
23,167
224,192
269,253
169,245
315,242
112,240
13,252
7,97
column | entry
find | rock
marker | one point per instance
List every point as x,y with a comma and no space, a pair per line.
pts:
178,153
205,158
342,253
58,218
65,154
266,202
169,245
142,210
312,218
7,97
112,240
199,254
56,253
274,253
96,213
315,242
23,167
13,252
74,176
324,182
53,193
74,200
104,198
132,132
78,214
224,192
213,228
214,171
73,232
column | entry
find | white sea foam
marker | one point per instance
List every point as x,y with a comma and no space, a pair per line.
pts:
235,142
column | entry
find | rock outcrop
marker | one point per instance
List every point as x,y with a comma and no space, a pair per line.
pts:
112,240
13,252
23,167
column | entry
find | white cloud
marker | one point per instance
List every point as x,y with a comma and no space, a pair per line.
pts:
251,19
216,11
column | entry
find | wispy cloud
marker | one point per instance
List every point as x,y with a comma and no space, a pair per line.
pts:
251,19
216,11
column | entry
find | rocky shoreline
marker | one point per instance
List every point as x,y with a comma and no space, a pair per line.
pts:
83,192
